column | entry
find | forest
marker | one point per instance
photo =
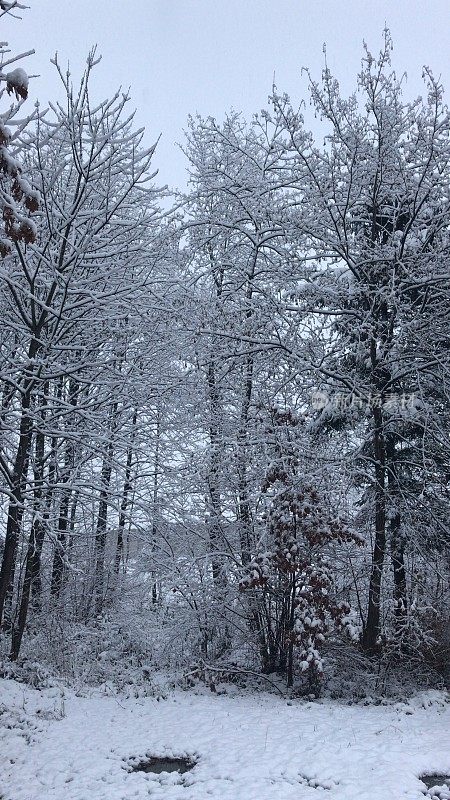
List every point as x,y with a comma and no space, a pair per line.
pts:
224,409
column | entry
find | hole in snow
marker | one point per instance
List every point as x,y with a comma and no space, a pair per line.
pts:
434,780
158,765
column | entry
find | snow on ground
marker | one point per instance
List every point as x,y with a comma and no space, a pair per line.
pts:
56,746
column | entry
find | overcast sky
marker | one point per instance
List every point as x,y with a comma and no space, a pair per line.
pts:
183,56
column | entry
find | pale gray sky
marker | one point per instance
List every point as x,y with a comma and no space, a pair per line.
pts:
183,56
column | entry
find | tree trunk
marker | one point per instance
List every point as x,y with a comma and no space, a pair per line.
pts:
397,541
214,500
59,554
398,565
127,487
59,558
155,508
102,519
372,629
16,507
36,582
36,540
245,517
290,642
36,535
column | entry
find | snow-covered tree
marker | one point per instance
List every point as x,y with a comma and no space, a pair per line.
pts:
372,210
69,297
293,568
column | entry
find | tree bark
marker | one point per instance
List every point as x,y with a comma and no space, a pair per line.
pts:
214,500
102,519
59,558
398,566
17,488
372,627
36,539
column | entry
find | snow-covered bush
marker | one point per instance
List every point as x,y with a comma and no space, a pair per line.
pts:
295,575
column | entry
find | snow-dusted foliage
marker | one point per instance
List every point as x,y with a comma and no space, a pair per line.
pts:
296,574
18,198
93,255
224,426
376,220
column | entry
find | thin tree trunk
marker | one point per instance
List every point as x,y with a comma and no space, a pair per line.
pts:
36,539
245,517
155,509
36,535
290,642
397,542
398,565
127,487
102,519
36,581
72,515
59,554
214,501
372,629
59,558
16,503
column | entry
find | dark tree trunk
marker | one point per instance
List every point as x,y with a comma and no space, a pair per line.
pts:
121,526
16,507
59,554
372,627
101,534
127,488
59,557
72,517
36,581
37,534
155,499
290,632
214,500
245,517
397,541
102,519
398,565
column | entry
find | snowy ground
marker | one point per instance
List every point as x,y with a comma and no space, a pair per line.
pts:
63,747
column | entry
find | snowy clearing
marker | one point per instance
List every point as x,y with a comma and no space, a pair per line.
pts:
57,746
